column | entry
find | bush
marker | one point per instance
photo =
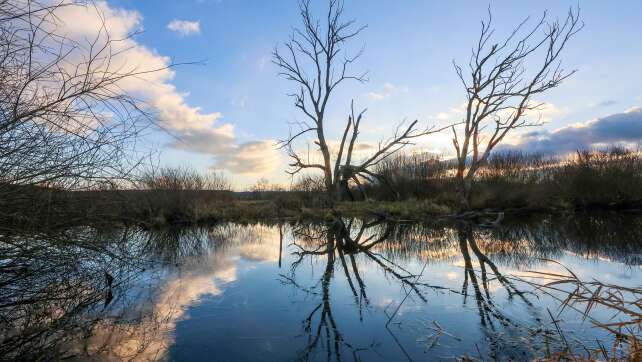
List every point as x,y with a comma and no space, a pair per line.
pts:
182,194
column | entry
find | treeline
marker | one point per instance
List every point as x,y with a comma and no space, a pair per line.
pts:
154,196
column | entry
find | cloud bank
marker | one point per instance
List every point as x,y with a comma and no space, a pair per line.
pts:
617,129
252,158
194,130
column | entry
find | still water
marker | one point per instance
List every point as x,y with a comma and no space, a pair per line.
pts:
350,290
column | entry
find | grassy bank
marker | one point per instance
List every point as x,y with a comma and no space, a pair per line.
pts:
422,187
408,210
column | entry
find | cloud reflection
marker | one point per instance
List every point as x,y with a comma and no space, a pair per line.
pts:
145,329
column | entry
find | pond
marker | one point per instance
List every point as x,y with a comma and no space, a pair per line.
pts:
348,290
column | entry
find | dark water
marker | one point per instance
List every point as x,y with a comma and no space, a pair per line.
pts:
361,291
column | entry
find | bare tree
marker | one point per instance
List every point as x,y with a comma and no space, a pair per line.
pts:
314,59
500,91
183,178
65,121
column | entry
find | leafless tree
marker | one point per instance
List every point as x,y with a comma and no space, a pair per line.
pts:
183,178
500,90
314,59
65,121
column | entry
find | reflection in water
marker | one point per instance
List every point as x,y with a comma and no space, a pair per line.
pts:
342,243
204,263
50,286
344,290
490,314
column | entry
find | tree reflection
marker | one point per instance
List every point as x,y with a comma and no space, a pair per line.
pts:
117,293
342,242
488,311
344,245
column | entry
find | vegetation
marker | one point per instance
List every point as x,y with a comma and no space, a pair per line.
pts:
420,187
622,304
423,186
510,180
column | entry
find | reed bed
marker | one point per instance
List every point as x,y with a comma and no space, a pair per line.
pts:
622,304
515,179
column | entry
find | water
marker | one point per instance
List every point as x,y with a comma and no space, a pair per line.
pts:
361,291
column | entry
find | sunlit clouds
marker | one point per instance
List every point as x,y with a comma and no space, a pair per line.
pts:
252,158
191,128
623,129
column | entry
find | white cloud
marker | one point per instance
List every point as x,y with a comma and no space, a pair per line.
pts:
184,27
194,129
546,112
386,91
252,158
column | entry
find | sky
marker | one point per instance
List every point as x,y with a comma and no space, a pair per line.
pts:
223,107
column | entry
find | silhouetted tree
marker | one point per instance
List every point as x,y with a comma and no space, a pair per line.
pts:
313,61
500,90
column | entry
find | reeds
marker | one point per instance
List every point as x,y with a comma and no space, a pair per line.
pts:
624,304
516,179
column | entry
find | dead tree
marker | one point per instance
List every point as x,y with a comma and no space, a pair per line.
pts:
315,61
500,91
345,167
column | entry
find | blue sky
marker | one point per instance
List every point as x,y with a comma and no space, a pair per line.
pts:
409,47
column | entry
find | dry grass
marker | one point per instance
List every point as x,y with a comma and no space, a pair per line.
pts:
623,304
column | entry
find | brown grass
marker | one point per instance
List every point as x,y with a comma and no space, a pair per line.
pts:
624,303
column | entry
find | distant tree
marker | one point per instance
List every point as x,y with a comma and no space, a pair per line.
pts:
314,59
261,185
183,178
500,90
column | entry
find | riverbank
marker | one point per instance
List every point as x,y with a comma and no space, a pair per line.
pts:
45,208
401,211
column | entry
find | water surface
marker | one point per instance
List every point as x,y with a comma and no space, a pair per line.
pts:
353,291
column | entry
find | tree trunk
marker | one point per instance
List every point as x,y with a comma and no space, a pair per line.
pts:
464,186
338,192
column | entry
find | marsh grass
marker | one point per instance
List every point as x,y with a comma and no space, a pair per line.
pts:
609,178
423,186
623,305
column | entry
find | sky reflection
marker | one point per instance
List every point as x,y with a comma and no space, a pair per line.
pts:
351,290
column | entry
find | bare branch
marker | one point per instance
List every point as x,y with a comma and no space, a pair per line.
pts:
499,91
